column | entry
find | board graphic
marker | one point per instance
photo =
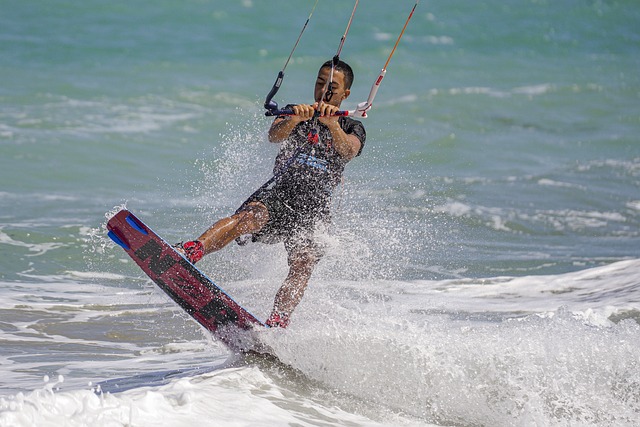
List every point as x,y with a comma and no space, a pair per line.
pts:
184,283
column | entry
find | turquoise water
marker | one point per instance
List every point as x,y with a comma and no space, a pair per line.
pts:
503,145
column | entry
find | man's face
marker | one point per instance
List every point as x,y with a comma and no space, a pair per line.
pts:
335,94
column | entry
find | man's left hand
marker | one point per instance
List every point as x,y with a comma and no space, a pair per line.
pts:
327,112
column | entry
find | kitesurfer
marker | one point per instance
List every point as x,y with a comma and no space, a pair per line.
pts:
292,207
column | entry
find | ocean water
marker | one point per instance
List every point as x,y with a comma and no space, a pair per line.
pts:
484,263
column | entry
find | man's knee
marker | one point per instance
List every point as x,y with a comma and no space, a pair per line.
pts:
308,254
253,216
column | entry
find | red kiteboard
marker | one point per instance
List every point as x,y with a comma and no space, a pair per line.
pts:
184,283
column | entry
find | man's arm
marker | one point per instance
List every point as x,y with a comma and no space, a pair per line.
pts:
347,145
282,126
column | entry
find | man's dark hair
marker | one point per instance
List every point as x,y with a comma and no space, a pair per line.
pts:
344,68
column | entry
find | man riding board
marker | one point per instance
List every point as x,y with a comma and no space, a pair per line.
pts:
315,146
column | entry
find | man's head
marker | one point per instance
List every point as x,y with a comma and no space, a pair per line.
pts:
340,87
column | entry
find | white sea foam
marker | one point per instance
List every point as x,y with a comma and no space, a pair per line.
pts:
439,40
635,204
540,89
236,396
529,91
96,275
541,350
553,183
493,351
631,166
38,249
504,219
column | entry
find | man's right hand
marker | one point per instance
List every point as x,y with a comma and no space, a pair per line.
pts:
303,112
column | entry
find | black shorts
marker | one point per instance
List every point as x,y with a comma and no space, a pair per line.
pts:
294,214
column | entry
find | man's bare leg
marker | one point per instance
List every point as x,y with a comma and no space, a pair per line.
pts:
249,220
301,265
226,230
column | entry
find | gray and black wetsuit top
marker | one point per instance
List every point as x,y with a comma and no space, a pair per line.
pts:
306,171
